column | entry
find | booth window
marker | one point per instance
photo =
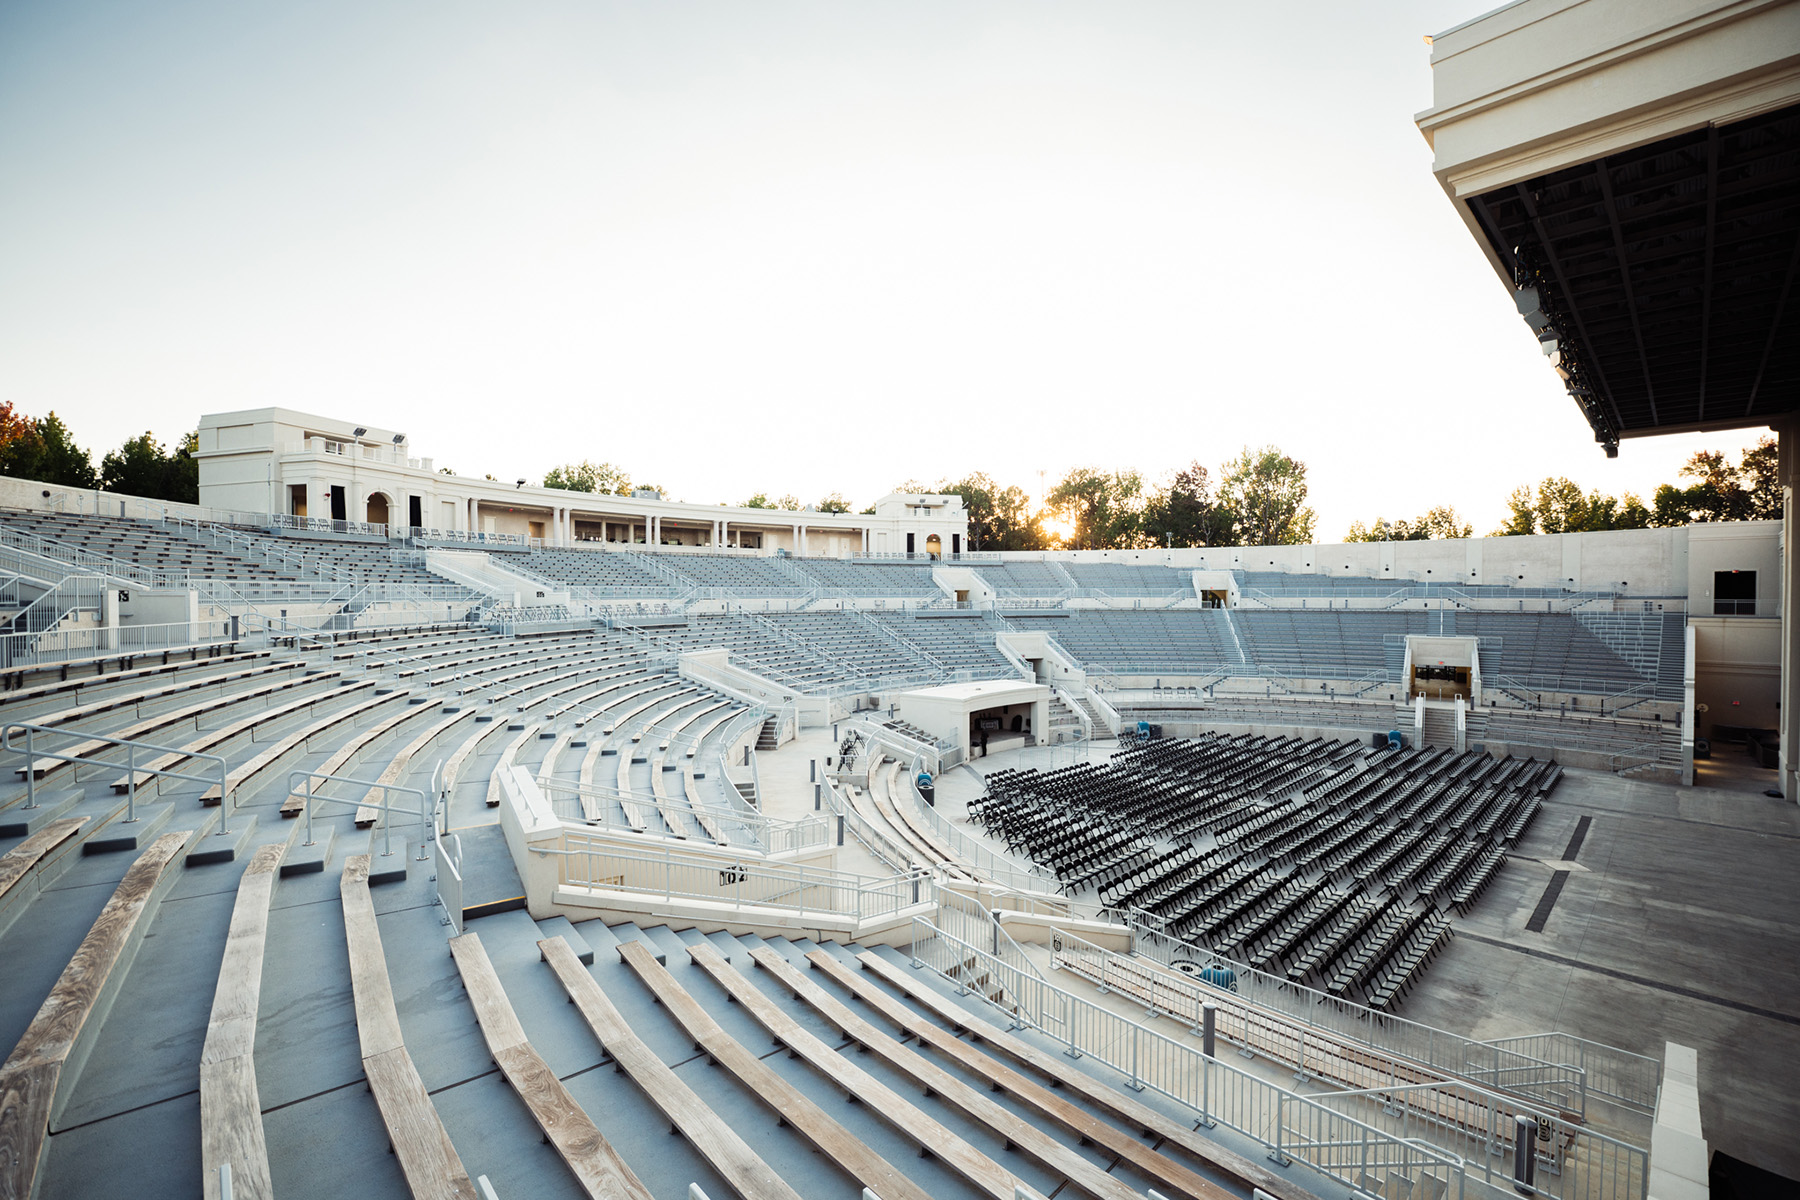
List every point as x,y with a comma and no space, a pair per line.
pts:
1734,593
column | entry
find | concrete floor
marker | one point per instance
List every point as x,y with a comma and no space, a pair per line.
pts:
1674,925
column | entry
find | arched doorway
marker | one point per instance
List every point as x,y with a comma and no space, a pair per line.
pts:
934,546
378,509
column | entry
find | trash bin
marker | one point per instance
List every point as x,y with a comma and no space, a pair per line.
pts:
928,794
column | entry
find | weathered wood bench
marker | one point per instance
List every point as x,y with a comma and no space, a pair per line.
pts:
932,1135
428,1160
1171,1176
717,1142
590,1157
231,1128
1107,1097
789,1104
18,862
30,1074
974,1105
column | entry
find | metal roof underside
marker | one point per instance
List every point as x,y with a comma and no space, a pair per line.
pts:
1668,276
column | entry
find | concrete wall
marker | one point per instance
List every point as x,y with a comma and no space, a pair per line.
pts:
1735,546
1737,672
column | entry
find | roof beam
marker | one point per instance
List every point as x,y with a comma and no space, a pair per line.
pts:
1603,174
1706,279
1590,358
1787,286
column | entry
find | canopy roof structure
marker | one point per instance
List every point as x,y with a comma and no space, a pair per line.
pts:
1634,177
1666,275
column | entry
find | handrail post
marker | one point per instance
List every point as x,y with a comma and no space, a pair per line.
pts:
30,772
130,784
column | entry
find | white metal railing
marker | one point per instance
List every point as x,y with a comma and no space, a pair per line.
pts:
105,641
33,752
761,835
327,525
471,537
1618,1076
877,842
1535,1080
735,881
448,852
1291,1127
1457,1115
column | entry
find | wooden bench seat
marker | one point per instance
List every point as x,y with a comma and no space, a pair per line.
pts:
96,708
717,1142
295,804
104,678
366,815
428,1160
1171,1176
30,1074
907,1119
207,741
974,1105
231,1128
590,1157
244,772
18,862
1108,1098
507,753
789,1104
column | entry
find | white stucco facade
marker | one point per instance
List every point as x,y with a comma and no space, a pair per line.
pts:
280,461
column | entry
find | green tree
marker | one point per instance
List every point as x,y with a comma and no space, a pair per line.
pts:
47,452
1105,509
789,502
760,500
1384,530
1000,518
1186,514
141,467
1559,505
834,503
1265,493
605,478
1521,514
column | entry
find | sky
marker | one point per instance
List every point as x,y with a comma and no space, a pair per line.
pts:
787,247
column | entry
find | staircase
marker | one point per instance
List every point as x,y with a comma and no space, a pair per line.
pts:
1099,725
1065,722
767,738
1440,725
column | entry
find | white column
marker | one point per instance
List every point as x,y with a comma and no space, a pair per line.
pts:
1789,455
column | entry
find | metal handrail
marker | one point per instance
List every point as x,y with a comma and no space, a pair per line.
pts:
227,801
387,848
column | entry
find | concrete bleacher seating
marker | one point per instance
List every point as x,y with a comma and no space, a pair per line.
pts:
747,575
956,641
1157,641
615,572
1128,579
1023,578
870,578
142,543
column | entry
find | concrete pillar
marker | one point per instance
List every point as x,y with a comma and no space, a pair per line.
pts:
1789,451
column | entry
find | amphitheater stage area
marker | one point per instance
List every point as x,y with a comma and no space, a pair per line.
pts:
1664,928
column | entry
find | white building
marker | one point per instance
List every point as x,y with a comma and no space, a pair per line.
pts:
275,460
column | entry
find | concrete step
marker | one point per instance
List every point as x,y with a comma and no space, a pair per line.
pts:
120,835
561,927
19,821
222,847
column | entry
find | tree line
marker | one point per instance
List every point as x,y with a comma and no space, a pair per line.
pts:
1256,498
44,449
